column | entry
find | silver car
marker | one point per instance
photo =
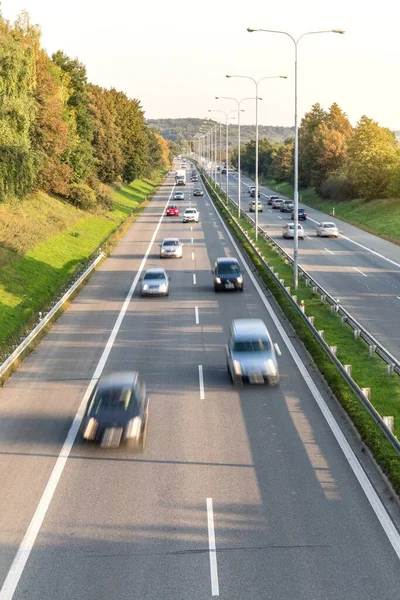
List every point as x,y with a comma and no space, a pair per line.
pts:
179,196
327,229
288,231
250,354
171,248
155,282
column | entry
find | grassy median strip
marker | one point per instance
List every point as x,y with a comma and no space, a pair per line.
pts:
366,371
33,275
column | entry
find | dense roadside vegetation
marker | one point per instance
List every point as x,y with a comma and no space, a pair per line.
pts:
367,372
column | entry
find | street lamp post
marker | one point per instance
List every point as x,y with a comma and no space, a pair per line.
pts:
226,146
256,99
239,171
296,140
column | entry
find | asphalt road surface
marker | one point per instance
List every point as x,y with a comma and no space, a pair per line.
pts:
360,269
241,492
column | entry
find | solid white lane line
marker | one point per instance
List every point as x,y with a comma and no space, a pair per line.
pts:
330,251
279,217
18,565
194,283
201,382
191,228
370,493
192,240
308,237
398,297
192,255
196,314
360,271
212,548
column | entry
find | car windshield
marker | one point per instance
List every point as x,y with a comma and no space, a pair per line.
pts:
170,243
113,398
228,268
260,345
154,275
190,211
328,225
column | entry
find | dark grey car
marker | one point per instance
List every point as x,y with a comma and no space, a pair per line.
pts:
117,411
227,274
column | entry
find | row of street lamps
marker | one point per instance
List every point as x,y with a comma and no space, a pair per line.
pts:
296,137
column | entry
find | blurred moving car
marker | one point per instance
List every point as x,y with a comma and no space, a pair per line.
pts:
288,231
250,354
117,411
287,206
194,178
272,199
251,189
179,196
252,206
277,203
223,171
155,282
172,211
171,248
191,215
227,274
301,215
198,192
327,229
253,193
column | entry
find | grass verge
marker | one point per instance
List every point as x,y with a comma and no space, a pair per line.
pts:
380,217
33,275
367,372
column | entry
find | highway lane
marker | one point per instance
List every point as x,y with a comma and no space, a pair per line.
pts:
351,268
290,518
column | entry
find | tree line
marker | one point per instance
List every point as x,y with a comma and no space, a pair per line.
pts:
340,161
62,134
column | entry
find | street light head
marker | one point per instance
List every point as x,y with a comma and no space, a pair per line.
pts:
228,76
283,76
341,31
217,97
252,30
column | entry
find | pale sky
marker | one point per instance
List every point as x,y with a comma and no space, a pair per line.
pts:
174,56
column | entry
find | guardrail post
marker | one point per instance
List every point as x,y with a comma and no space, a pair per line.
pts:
312,320
367,393
272,269
389,422
302,306
390,368
372,349
343,320
333,349
277,275
356,334
287,288
321,332
40,315
322,299
347,368
307,282
315,289
281,281
294,298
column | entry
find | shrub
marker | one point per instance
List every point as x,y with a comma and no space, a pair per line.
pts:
336,188
104,200
82,196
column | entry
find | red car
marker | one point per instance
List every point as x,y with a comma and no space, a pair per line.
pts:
172,211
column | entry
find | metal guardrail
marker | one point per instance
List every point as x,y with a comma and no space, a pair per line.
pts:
24,345
380,350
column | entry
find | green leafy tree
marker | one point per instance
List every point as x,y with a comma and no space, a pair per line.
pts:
282,161
372,159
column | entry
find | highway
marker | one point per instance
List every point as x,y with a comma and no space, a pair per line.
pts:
359,268
241,492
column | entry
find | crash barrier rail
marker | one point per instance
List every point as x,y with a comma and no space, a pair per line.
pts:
393,363
44,320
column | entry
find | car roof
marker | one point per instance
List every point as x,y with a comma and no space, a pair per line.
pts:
118,379
325,223
227,260
191,210
171,240
151,271
249,328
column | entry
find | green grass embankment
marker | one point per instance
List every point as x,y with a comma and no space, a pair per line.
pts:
380,217
44,241
366,371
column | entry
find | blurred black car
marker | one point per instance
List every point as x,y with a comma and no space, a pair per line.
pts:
117,411
227,274
302,215
253,193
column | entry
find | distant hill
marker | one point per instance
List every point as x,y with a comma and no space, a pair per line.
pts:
178,130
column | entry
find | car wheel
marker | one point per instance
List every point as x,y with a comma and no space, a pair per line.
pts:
241,289
216,289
